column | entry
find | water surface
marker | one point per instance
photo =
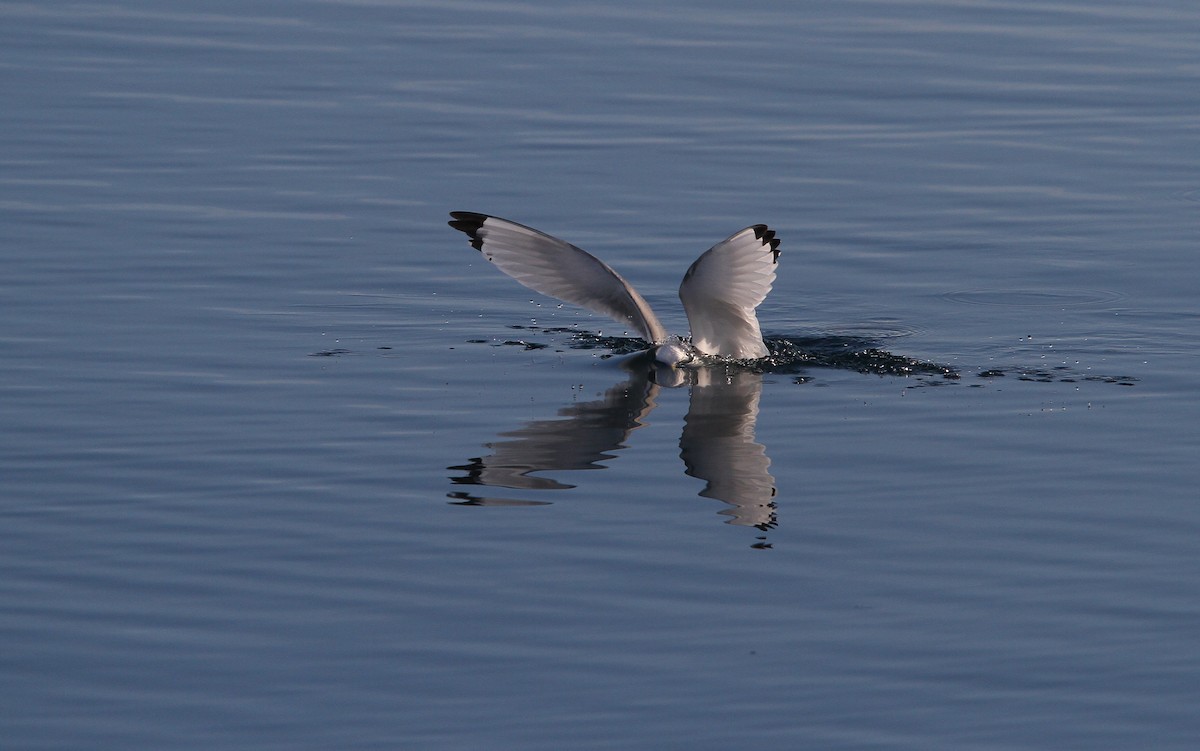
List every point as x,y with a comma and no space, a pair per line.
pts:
285,464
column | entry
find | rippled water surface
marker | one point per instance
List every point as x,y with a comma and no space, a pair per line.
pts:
285,464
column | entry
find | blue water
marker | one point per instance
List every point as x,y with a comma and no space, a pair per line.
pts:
285,464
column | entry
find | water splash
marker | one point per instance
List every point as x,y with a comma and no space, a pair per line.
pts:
797,355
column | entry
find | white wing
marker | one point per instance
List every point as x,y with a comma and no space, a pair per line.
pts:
723,287
552,267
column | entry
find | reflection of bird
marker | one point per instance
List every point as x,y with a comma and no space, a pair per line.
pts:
585,435
717,444
720,291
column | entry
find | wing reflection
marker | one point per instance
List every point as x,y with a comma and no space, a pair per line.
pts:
717,444
585,435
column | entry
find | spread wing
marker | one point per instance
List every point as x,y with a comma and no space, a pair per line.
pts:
552,267
723,287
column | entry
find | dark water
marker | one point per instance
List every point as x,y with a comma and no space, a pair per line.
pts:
284,464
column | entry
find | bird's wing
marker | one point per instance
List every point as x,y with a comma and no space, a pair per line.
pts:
723,287
552,267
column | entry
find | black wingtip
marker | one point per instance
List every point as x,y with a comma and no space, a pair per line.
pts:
767,235
469,223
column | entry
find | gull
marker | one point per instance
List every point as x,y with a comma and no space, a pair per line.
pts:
720,290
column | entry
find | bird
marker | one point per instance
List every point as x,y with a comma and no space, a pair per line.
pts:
720,291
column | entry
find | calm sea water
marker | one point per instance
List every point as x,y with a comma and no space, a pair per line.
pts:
284,464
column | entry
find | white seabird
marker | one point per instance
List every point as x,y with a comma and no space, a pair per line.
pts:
720,290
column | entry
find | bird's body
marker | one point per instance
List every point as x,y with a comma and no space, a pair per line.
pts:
720,291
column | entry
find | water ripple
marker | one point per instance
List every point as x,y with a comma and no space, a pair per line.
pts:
1034,298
